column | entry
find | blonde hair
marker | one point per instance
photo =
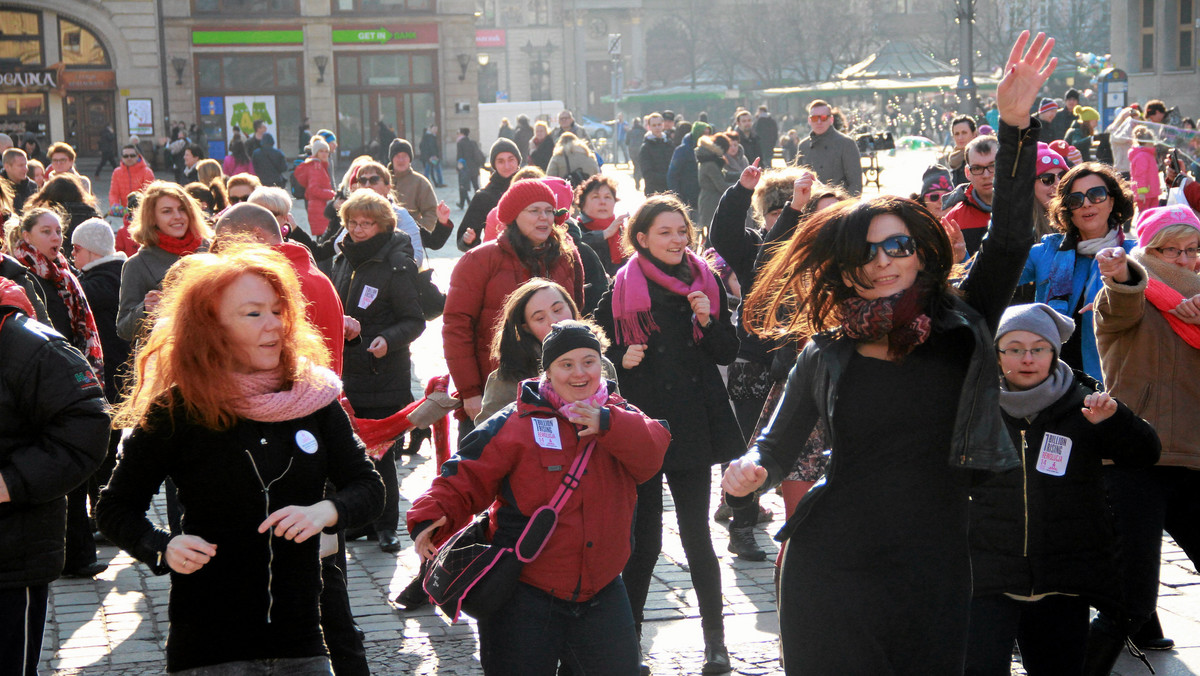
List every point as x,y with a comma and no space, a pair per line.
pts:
1169,234
207,170
370,204
143,228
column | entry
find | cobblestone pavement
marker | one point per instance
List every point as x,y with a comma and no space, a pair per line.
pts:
116,624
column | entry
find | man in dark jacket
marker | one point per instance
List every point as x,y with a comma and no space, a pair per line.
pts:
655,156
830,153
108,149
683,175
269,163
743,124
431,156
767,131
53,431
470,161
16,166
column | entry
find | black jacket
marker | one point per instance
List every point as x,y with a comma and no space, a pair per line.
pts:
22,190
102,286
678,379
483,201
269,163
430,148
540,155
655,159
376,281
12,269
258,597
1033,532
595,275
980,440
77,212
53,435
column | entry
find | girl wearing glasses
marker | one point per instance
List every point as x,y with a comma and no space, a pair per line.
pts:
1042,545
892,343
1148,332
1089,206
376,279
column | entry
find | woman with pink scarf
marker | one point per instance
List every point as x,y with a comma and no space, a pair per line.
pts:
234,402
670,322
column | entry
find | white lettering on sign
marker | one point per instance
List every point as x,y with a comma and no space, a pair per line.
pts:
1055,453
33,79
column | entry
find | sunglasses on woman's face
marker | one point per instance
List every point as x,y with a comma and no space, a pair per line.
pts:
935,197
370,180
1095,195
896,246
1048,178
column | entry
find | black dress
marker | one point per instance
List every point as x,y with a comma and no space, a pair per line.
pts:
889,537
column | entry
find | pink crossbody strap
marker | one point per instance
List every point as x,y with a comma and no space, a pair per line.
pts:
550,511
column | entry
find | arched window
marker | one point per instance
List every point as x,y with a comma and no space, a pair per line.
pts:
80,46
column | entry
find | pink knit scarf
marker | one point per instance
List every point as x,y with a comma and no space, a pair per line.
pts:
562,405
263,399
631,295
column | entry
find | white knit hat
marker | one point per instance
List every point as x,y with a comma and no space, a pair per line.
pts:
95,235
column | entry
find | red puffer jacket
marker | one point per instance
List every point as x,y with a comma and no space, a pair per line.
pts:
126,179
481,280
591,544
313,174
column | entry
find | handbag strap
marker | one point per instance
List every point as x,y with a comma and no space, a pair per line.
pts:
568,161
570,480
566,487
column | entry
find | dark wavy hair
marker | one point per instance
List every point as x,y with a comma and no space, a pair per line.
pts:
643,218
803,282
60,190
515,349
1118,192
591,183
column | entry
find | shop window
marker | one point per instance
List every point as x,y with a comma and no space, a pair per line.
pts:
539,80
1186,60
485,13
385,70
347,71
247,72
21,37
239,6
80,46
1147,36
382,6
539,12
422,69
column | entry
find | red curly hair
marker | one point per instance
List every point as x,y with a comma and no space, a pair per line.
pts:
187,359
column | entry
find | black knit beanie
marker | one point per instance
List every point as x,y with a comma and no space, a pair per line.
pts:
565,336
399,145
503,145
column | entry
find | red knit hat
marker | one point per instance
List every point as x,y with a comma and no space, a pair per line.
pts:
520,195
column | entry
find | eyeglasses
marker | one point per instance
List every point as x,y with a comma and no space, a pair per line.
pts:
1020,352
1048,178
1171,253
934,197
896,246
129,157
538,213
819,118
360,225
370,180
1095,195
981,170
238,199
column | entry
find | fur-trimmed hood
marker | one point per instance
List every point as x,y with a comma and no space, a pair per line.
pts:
707,151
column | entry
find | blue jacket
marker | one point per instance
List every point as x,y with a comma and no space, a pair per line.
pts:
683,176
1061,283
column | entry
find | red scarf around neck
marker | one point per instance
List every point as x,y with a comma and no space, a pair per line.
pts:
1166,299
188,244
901,318
83,324
614,242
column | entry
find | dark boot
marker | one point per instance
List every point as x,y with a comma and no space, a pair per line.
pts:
716,657
1103,649
1150,636
414,596
416,437
742,543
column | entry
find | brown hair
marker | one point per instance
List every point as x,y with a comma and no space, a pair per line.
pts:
517,352
60,190
371,204
60,147
1118,192
652,208
593,183
186,360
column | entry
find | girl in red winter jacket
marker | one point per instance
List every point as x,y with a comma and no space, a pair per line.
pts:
313,174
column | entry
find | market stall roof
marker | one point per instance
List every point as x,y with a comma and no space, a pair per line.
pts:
897,59
702,92
922,84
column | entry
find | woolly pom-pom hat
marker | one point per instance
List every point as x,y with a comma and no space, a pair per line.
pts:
503,145
1047,106
1086,114
400,145
1063,149
520,195
563,195
1048,160
1151,221
1037,318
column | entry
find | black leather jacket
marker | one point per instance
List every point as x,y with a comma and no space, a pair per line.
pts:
980,439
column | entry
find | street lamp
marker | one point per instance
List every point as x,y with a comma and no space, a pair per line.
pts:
179,63
483,58
322,61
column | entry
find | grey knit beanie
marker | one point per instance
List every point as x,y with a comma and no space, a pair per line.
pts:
96,236
1037,318
503,145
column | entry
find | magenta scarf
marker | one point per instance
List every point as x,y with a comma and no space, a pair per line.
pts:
631,295
263,399
562,405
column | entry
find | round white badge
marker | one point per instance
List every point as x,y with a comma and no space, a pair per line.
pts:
306,441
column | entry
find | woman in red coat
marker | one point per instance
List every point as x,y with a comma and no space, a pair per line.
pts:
313,174
531,245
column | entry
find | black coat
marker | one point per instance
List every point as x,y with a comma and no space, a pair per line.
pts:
655,160
258,597
384,266
1033,532
483,201
678,380
77,212
595,276
102,287
53,435
269,163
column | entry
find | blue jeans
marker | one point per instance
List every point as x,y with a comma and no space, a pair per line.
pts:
285,666
534,631
433,171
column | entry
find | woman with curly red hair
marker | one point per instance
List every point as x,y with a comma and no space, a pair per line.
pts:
233,401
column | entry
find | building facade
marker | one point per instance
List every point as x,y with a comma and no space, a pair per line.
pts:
1154,42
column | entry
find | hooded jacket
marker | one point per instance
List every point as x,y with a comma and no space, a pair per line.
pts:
313,174
577,156
714,175
683,175
502,468
53,434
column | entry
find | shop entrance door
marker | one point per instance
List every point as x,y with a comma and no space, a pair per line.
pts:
87,113
389,109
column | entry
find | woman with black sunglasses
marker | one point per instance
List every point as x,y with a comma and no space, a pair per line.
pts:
1089,206
903,375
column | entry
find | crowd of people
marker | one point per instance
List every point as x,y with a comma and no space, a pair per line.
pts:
973,400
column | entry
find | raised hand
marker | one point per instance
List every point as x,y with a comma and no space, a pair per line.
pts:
633,356
443,212
802,189
1098,407
1024,75
701,307
1113,264
751,175
958,243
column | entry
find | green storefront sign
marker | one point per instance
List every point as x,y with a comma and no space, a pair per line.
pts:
278,37
373,35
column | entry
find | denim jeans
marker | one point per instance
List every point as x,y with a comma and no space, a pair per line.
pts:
287,666
433,172
534,631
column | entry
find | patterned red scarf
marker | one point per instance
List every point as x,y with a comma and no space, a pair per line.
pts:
188,244
901,318
83,324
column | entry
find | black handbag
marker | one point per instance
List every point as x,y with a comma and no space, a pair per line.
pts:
473,575
433,301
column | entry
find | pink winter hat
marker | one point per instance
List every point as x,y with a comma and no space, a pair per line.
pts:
1151,221
564,195
1048,159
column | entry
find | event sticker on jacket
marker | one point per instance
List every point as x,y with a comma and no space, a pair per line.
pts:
368,296
306,441
1056,451
545,433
